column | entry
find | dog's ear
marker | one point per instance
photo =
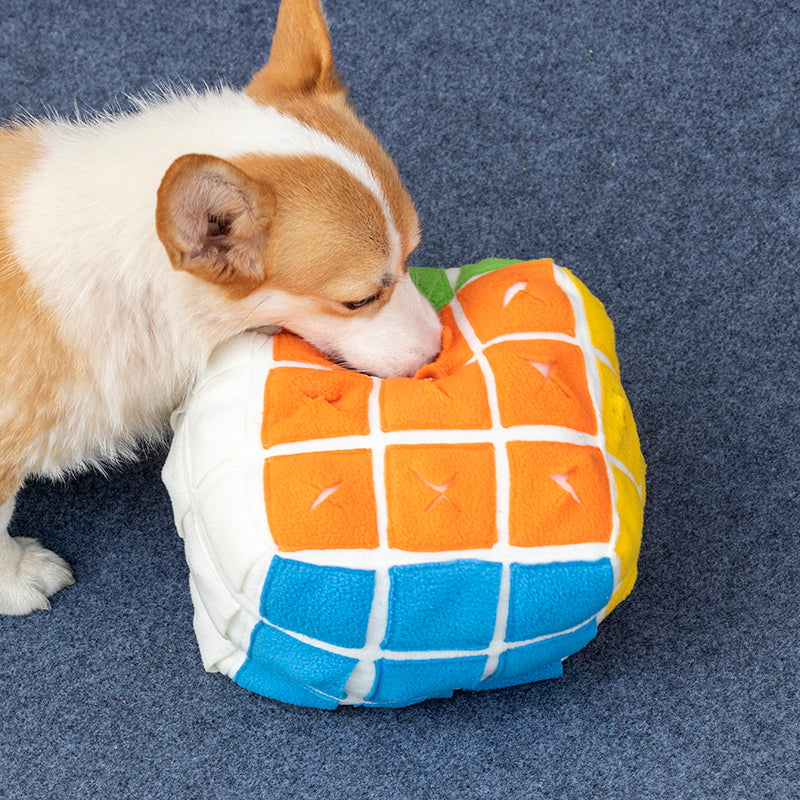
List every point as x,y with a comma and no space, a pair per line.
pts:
301,59
214,220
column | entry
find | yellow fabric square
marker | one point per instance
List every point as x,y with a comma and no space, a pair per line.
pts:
630,508
600,326
622,438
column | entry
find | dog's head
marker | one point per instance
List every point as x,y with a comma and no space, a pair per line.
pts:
312,233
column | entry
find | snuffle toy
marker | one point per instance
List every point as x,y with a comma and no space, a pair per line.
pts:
358,541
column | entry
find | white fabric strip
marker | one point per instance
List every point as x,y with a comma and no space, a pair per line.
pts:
584,336
362,678
381,558
497,436
419,655
503,473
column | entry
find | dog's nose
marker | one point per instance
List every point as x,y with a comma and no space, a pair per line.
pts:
436,355
432,360
423,362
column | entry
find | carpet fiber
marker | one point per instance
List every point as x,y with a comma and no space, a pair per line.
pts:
652,149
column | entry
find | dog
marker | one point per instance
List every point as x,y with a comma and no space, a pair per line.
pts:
131,246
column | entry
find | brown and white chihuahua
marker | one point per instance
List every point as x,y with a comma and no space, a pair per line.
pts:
131,246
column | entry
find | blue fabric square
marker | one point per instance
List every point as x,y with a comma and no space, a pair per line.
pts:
298,662
401,683
539,660
259,679
550,598
442,606
331,604
543,673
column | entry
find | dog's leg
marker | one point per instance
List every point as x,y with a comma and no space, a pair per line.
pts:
35,368
29,573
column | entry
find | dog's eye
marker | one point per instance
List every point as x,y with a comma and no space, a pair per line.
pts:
361,303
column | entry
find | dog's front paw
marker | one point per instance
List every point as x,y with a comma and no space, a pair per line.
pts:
29,574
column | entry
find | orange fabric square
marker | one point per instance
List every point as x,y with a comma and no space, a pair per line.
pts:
458,401
559,494
321,501
288,347
521,298
302,404
542,382
442,395
441,497
455,350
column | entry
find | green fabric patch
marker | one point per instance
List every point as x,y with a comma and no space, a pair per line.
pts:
470,271
433,283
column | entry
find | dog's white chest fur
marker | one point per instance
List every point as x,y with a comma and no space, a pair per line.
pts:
102,266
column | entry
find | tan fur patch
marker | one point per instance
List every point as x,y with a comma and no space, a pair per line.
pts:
34,359
300,81
301,59
328,237
333,116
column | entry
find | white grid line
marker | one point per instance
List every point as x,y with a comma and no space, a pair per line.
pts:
538,433
357,653
503,473
584,335
362,679
625,471
377,558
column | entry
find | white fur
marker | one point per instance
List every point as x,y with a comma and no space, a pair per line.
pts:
29,573
83,229
160,325
115,166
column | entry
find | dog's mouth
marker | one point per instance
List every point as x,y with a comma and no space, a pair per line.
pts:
332,355
267,330
342,361
419,369
339,359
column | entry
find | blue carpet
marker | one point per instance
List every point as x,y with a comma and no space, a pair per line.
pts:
651,148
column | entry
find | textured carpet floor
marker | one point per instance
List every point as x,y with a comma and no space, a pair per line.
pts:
650,147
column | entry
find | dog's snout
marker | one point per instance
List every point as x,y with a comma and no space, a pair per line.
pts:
404,336
432,352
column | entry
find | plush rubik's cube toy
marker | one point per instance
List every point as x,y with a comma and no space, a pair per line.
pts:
353,540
